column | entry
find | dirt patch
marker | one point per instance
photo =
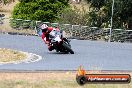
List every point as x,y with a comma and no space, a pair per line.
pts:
16,57
8,7
5,27
7,55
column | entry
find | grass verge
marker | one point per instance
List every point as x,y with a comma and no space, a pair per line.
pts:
48,80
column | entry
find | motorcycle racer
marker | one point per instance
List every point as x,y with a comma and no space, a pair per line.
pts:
45,35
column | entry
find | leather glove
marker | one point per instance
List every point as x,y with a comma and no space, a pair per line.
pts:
46,42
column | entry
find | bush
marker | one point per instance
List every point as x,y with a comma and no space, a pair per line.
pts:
73,16
43,10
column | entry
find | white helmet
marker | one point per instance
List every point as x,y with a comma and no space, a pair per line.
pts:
44,26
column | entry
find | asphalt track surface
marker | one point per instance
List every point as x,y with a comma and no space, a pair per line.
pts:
92,55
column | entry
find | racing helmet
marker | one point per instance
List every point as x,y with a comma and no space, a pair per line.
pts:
44,27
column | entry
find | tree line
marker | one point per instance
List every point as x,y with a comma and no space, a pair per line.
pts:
122,12
60,11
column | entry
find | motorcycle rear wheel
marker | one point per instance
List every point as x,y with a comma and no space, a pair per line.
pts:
68,48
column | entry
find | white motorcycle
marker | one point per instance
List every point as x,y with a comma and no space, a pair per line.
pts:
59,43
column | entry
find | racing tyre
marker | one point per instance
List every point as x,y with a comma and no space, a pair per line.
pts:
68,48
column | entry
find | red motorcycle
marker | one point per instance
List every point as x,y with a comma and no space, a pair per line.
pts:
59,43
